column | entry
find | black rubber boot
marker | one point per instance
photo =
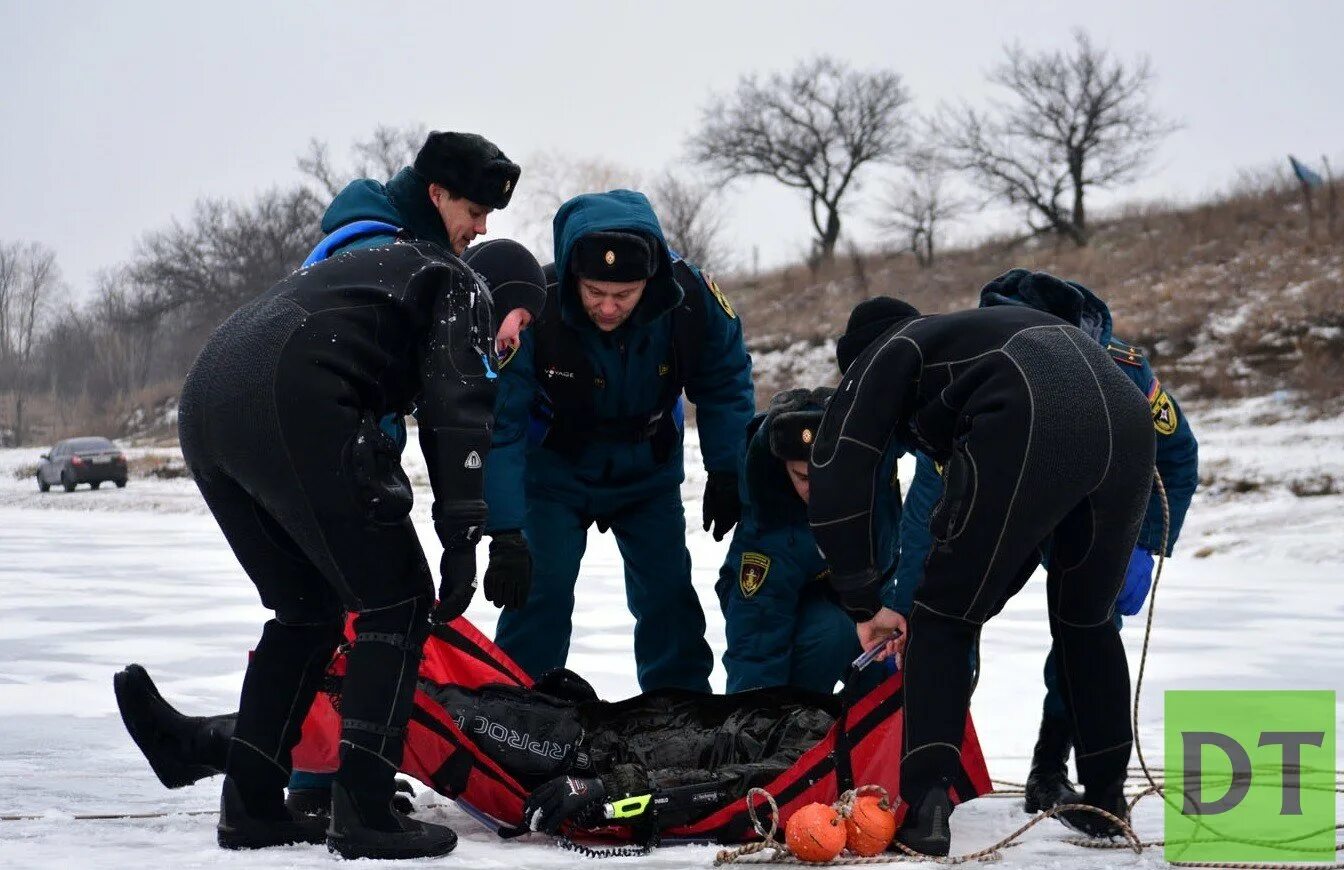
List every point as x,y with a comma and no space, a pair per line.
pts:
1048,783
927,828
352,836
180,749
1111,799
239,829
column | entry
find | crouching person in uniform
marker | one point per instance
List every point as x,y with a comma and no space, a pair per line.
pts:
1177,460
783,624
279,425
1040,437
589,430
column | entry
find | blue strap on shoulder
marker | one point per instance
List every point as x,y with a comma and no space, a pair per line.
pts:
346,234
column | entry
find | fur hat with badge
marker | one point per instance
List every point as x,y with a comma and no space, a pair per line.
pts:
614,256
792,421
470,166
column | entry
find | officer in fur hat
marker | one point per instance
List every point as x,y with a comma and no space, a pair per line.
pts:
589,431
783,624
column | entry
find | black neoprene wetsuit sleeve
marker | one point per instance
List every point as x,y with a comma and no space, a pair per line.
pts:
876,394
455,411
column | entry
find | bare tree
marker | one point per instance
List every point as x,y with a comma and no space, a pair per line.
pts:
1073,120
29,278
63,355
692,219
124,347
553,177
813,129
380,156
227,253
920,203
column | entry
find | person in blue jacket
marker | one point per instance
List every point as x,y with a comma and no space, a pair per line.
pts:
436,199
589,430
783,625
1177,460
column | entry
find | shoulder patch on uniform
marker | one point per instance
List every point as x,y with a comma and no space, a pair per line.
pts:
1125,353
1164,412
751,576
508,357
720,297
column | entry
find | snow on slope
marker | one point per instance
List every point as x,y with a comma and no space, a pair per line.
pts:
93,580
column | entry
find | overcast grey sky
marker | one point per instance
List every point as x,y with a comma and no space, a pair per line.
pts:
115,117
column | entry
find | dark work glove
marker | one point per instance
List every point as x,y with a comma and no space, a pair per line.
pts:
508,578
457,583
562,798
723,508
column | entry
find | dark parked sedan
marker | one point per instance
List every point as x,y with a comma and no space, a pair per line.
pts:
82,460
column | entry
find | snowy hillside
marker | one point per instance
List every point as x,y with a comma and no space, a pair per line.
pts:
94,580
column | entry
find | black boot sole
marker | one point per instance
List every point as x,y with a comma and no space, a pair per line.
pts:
265,836
394,848
136,698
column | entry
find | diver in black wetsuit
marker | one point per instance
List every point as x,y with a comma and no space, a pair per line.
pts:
279,426
1041,441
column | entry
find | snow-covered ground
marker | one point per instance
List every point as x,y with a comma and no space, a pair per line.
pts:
93,580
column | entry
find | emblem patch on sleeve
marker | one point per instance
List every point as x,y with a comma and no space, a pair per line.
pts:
722,299
507,357
1164,413
751,577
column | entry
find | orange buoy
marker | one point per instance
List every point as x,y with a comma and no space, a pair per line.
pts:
814,833
870,826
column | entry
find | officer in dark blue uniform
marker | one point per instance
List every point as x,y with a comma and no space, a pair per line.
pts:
1177,460
589,430
783,624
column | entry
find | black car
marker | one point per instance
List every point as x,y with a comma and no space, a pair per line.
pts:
82,460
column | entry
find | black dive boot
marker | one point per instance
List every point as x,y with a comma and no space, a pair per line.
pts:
364,826
258,819
1111,799
180,749
1048,783
239,829
927,828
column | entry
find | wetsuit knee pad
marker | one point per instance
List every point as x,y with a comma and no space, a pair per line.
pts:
403,625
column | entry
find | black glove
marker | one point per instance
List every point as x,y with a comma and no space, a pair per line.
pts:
562,798
508,578
457,583
723,508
